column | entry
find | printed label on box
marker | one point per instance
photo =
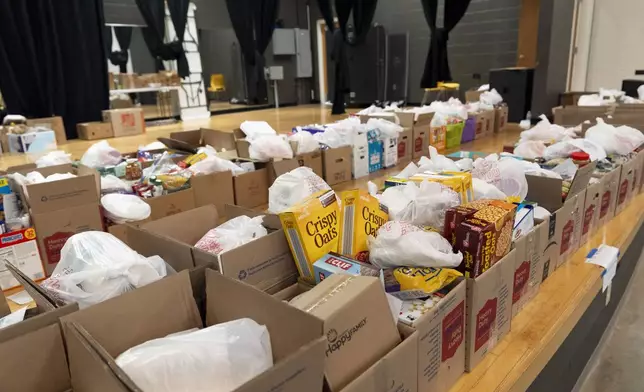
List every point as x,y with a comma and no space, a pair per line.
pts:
53,244
566,236
605,204
588,218
453,325
521,276
20,249
623,191
485,322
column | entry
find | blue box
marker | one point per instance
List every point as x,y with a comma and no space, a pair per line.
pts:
375,151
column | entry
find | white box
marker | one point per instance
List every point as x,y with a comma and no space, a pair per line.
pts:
32,142
360,153
20,249
390,152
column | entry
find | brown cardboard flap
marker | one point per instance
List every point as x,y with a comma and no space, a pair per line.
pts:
582,177
251,189
191,137
176,254
41,297
218,139
547,191
35,361
406,119
45,318
290,328
283,166
215,188
171,204
141,315
271,221
188,226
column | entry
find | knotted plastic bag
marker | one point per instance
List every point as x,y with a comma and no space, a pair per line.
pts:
530,149
96,266
293,187
232,234
506,174
436,162
101,154
402,244
264,148
305,142
219,358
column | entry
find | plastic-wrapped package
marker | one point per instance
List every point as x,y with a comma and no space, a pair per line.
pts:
293,187
422,205
401,244
96,266
256,129
265,148
483,190
530,149
112,184
214,164
101,154
232,234
305,142
54,158
219,358
506,174
121,208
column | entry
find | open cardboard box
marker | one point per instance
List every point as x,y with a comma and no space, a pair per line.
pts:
566,218
265,263
529,265
626,184
441,346
403,144
337,164
489,309
608,195
170,305
574,115
420,132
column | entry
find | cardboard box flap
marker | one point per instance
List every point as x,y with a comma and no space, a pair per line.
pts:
201,220
176,254
193,138
271,221
218,139
35,362
547,191
36,322
582,178
284,166
43,299
406,119
171,204
214,188
4,307
141,315
289,327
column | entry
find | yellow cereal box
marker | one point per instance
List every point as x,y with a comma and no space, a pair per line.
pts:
312,229
459,182
361,215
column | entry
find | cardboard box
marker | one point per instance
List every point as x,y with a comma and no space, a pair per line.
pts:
170,204
626,181
375,147
312,160
19,248
264,263
473,95
215,188
251,189
438,138
638,169
489,310
569,225
33,142
396,371
94,130
389,152
357,324
609,191
421,129
360,156
547,191
591,210
575,115
441,342
168,306
125,122
337,165
54,123
55,227
500,118
405,144
529,264
488,119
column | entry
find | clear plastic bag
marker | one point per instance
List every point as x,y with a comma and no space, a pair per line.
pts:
232,234
96,266
265,148
305,142
293,187
506,174
121,208
485,191
214,164
219,358
401,244
101,154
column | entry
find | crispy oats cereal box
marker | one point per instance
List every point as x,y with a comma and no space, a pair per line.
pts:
312,230
361,215
460,183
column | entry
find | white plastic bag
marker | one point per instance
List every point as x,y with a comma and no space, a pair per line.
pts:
334,137
436,162
491,97
506,174
232,234
101,154
388,129
546,132
214,164
305,142
219,358
565,148
619,141
530,149
121,208
485,191
401,244
640,92
465,164
265,148
111,183
96,266
54,158
293,187
256,129
422,205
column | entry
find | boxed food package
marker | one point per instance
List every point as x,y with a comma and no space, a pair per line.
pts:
500,118
334,263
360,156
336,164
529,265
94,130
361,215
54,123
459,182
441,341
482,231
389,152
171,305
591,210
609,190
438,137
489,309
357,323
264,262
32,142
312,228
20,248
396,371
125,122
375,148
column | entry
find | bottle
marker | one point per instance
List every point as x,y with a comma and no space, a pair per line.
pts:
580,158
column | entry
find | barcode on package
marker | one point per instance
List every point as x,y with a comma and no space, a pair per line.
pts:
298,253
347,227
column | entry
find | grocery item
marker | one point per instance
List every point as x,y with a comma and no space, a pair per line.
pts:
361,215
312,229
408,283
482,230
232,234
460,182
294,187
334,263
414,309
121,208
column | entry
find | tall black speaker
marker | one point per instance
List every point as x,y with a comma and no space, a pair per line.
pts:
515,86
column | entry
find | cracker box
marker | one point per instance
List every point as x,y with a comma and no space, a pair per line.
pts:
438,137
334,263
312,230
361,215
20,249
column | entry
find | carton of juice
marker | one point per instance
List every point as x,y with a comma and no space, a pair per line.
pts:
312,230
361,215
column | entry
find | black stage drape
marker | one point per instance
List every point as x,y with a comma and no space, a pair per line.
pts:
124,38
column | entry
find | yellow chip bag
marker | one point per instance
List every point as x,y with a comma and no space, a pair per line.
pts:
361,215
408,283
311,228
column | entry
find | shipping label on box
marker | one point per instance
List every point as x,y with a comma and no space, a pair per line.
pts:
20,249
420,142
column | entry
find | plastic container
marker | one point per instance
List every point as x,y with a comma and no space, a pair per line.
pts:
580,158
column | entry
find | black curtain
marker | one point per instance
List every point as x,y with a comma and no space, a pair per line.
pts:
52,59
254,23
124,38
363,12
437,63
153,12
